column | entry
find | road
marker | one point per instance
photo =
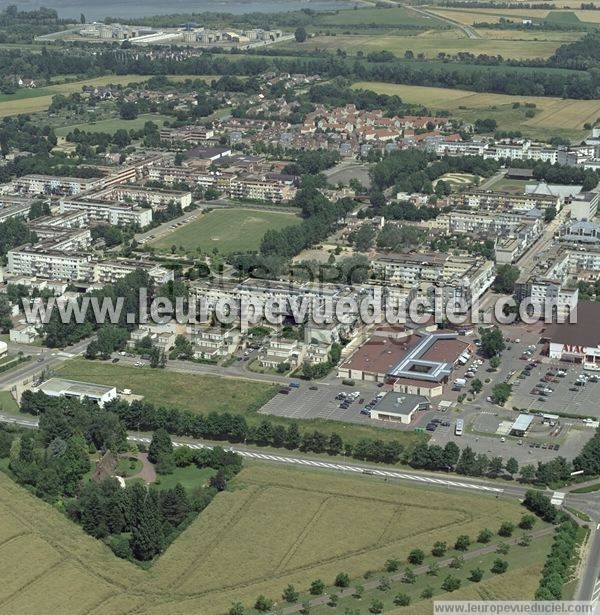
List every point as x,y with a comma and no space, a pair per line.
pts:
469,32
44,358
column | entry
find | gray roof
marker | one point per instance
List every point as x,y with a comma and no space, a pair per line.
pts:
552,189
523,422
400,403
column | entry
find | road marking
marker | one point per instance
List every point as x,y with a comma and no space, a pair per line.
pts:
558,498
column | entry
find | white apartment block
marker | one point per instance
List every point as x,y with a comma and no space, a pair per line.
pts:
153,197
51,184
118,214
214,342
504,201
44,263
273,188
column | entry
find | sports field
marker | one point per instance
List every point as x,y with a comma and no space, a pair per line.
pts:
431,44
229,230
562,117
276,526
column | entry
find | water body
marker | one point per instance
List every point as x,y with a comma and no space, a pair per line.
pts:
135,8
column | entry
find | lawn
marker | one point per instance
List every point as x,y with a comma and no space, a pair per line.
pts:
516,186
276,526
7,403
201,394
190,477
556,116
111,125
431,44
228,230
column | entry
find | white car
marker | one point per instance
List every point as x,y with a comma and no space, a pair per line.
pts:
588,420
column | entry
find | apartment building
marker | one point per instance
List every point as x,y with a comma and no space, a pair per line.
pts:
187,134
279,350
52,184
14,207
214,342
504,201
155,198
109,271
119,214
132,172
272,187
191,176
42,262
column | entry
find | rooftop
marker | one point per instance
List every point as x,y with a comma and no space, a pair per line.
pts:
584,332
400,403
58,386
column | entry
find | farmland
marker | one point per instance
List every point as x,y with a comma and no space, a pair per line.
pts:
432,43
273,527
396,16
228,230
564,116
490,15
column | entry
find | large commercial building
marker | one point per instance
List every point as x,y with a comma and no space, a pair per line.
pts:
579,341
399,407
97,393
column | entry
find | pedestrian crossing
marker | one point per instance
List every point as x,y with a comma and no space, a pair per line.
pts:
557,498
341,467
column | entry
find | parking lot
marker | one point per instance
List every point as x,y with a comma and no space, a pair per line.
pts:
318,401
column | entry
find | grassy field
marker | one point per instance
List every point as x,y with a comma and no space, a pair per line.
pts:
432,43
276,526
516,186
524,35
556,116
205,393
113,124
201,394
396,16
228,230
7,403
39,99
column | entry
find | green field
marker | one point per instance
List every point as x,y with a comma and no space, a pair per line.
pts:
396,16
554,116
276,526
7,402
516,186
189,477
201,394
113,124
229,230
431,44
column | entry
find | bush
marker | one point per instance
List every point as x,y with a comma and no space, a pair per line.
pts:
462,543
527,522
401,600
416,557
476,575
500,566
506,529
451,583
427,593
342,580
391,565
376,606
317,587
485,536
263,604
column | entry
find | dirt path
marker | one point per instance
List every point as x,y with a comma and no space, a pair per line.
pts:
147,473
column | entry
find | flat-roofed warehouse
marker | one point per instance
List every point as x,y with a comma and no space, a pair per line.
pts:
399,407
415,363
98,393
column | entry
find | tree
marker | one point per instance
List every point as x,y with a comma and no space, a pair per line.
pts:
506,529
527,473
501,392
160,446
384,584
499,566
342,580
506,277
392,565
317,587
376,606
492,341
476,575
364,237
263,604
451,583
503,548
147,538
495,362
462,543
300,34
496,465
527,522
427,593
128,111
409,576
485,536
416,557
433,569
476,386
439,549
512,466
290,594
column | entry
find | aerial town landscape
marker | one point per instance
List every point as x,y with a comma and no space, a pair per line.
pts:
300,307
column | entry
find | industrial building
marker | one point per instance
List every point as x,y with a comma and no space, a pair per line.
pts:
97,393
